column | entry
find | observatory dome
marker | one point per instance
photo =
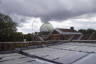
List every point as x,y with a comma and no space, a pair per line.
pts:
46,27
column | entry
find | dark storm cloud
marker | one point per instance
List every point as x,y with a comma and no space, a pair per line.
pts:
0,2
48,9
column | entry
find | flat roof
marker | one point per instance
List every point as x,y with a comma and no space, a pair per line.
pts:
66,53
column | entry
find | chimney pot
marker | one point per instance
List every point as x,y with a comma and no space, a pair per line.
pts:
72,28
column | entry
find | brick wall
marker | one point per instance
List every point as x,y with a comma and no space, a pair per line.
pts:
12,45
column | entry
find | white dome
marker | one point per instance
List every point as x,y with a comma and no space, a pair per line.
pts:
46,27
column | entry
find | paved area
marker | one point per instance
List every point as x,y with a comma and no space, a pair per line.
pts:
67,53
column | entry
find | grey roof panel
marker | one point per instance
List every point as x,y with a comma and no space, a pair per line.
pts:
90,59
67,53
72,57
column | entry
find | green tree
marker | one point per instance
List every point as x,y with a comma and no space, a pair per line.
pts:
90,31
83,31
28,37
7,27
87,31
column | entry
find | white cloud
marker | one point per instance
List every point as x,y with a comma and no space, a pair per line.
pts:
31,25
78,23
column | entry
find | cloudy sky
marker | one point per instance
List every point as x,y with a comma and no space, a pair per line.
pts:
60,13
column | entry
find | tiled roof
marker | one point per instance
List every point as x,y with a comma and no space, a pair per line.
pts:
67,30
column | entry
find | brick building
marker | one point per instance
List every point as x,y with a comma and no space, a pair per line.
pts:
65,34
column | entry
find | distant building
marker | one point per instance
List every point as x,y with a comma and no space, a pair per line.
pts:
65,34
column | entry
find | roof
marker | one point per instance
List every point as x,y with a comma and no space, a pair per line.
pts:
66,53
55,35
67,30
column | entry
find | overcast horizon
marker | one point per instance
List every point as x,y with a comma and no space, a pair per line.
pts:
80,14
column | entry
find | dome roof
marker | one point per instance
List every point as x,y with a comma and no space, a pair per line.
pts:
46,27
